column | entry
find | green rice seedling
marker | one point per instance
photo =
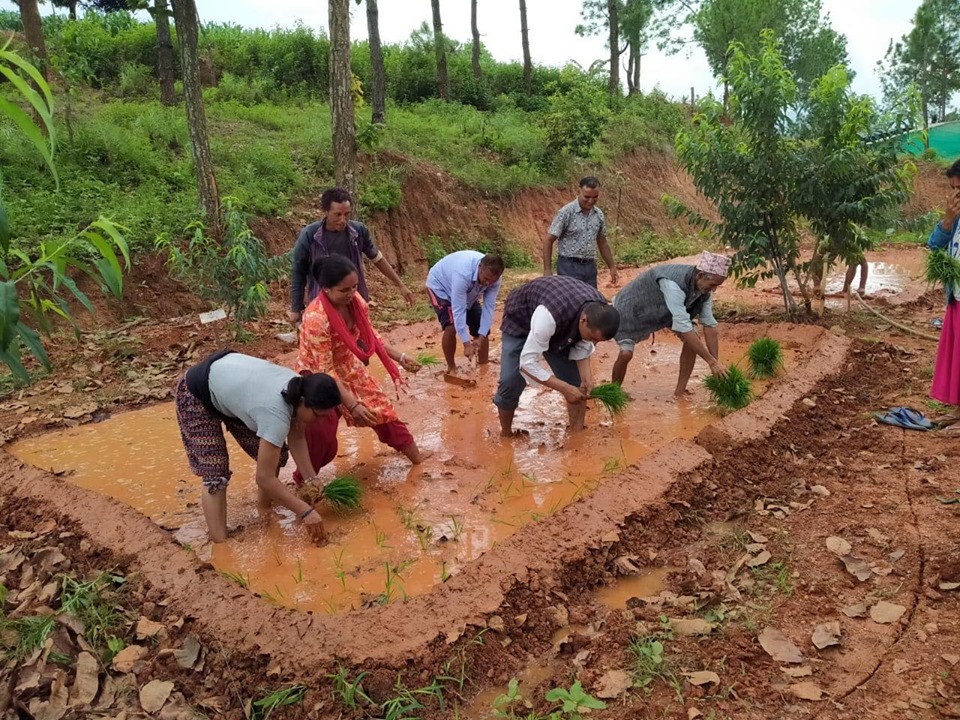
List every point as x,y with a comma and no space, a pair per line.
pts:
943,268
298,577
444,573
731,392
428,359
380,537
766,358
238,578
424,535
612,397
262,708
457,527
343,493
349,691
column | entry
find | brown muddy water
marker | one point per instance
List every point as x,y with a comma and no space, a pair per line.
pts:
419,525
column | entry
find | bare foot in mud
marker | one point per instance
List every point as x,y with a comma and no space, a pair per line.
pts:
951,431
518,434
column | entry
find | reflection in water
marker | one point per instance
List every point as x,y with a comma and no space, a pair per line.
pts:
418,525
883,278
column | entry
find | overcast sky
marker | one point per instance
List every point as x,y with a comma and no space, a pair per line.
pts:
868,24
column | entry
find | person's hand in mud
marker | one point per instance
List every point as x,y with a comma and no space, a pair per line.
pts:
409,364
361,415
572,394
470,349
718,368
313,524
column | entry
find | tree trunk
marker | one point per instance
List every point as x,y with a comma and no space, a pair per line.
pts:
525,40
475,57
636,69
185,17
614,26
379,76
73,9
439,47
33,31
161,17
341,98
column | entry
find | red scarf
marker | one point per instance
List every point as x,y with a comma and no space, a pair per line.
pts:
368,337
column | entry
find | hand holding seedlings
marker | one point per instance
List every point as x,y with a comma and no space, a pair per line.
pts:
409,364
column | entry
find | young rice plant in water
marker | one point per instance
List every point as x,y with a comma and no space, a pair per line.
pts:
731,392
766,358
343,493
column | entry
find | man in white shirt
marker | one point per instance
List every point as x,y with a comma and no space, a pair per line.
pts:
557,319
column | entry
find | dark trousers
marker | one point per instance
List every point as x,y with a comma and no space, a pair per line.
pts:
583,270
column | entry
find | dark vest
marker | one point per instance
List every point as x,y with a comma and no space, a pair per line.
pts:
563,296
643,309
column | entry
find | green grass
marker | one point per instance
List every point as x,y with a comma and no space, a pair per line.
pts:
650,248
97,603
263,707
731,392
612,396
26,634
766,358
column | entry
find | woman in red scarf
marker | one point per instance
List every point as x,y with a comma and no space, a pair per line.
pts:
337,338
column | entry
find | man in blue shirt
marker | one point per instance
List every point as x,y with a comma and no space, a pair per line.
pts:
455,286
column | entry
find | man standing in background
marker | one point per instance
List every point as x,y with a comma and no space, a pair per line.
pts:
579,229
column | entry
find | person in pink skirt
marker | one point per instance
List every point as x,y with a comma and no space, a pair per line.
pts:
946,371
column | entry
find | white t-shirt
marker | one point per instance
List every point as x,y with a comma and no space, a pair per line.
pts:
248,388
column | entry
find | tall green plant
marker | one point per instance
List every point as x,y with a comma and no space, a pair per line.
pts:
36,286
234,271
748,167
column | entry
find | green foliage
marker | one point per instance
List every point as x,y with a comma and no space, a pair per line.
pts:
347,690
648,660
650,248
233,272
381,190
263,707
135,80
943,269
766,357
730,392
575,702
427,359
25,634
37,282
577,115
343,492
436,248
97,603
613,397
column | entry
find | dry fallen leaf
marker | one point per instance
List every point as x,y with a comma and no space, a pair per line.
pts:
188,654
147,628
806,691
838,546
56,707
154,694
949,585
826,634
496,624
693,714
691,626
87,684
761,559
952,659
703,677
777,646
613,684
796,672
885,612
46,527
127,658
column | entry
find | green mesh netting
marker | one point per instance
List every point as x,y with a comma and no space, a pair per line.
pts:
944,140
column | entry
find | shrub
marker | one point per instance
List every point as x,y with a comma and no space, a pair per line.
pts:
578,113
135,80
233,272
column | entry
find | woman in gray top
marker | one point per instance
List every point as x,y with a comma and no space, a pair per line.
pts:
265,407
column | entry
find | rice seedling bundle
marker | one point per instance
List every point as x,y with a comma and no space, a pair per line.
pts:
731,392
344,493
428,359
611,396
943,269
766,358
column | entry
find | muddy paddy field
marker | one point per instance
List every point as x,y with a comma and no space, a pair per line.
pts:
792,559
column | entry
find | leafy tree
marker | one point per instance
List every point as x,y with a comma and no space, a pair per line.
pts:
525,42
809,45
33,285
161,18
747,168
578,112
927,57
604,16
844,183
635,17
